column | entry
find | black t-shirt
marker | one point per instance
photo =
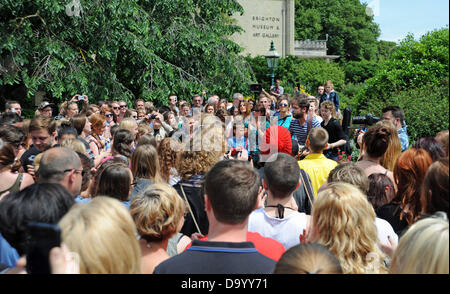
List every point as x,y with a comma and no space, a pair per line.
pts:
28,157
335,132
391,213
192,189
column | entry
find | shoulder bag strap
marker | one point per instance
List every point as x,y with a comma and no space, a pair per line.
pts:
190,209
306,185
309,126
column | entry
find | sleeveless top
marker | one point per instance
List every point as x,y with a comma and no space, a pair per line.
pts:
16,186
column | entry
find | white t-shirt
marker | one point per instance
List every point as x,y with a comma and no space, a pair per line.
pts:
384,230
286,230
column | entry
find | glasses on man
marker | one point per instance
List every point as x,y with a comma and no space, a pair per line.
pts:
82,171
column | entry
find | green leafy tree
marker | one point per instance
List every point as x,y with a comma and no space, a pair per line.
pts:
311,73
416,79
352,32
293,70
120,49
385,49
359,71
413,64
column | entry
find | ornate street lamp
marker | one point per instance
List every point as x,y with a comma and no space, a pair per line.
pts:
273,60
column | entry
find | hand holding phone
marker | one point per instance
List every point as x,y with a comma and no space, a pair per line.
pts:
42,238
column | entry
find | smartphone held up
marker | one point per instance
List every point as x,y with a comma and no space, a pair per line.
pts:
42,238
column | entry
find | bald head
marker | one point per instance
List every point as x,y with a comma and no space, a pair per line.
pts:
61,165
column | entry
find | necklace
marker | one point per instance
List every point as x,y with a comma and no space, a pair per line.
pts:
280,209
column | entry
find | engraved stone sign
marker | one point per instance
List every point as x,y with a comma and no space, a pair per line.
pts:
264,21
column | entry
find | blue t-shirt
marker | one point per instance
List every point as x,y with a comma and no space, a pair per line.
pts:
80,199
403,136
241,142
8,255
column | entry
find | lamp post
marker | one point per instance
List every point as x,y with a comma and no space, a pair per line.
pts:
273,60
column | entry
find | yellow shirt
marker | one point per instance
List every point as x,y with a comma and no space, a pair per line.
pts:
318,168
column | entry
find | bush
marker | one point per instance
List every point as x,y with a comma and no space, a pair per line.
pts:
311,73
359,71
348,93
426,109
412,65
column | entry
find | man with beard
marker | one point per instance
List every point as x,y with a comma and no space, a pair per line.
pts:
301,124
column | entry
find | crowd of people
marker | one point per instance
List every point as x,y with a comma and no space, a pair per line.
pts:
207,185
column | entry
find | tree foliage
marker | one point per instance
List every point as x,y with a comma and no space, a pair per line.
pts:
120,49
293,70
352,32
385,49
412,65
416,79
359,71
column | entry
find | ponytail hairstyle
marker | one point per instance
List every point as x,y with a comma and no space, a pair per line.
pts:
122,142
376,140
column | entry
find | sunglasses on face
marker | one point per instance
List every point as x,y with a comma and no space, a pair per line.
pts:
283,104
82,171
109,115
123,106
116,107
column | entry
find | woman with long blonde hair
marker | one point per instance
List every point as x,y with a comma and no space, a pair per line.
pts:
423,249
103,235
343,220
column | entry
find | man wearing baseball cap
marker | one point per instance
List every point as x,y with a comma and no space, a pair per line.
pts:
45,108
